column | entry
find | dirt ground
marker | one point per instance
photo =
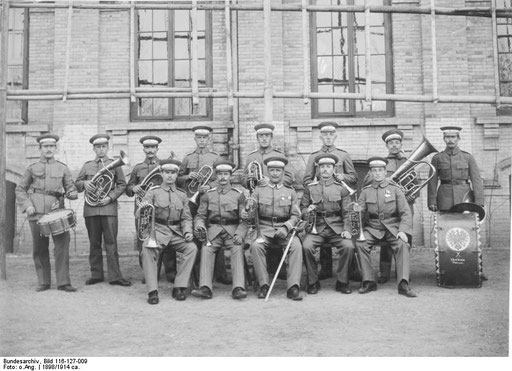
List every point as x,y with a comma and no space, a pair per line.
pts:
105,320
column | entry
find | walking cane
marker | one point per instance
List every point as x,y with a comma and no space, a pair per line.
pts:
282,261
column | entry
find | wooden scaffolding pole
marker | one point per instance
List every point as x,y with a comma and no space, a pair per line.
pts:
68,49
435,93
229,55
368,54
195,63
4,42
132,51
495,53
267,58
305,50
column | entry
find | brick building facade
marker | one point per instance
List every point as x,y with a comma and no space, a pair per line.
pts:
100,57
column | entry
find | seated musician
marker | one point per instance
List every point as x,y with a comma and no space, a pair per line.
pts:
278,212
389,220
326,199
218,224
173,229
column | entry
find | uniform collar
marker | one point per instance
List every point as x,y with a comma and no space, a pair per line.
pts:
327,182
382,184
202,151
224,190
45,161
452,152
398,155
266,150
328,148
166,187
277,186
156,160
98,160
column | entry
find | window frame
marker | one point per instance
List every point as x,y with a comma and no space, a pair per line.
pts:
134,116
25,66
388,52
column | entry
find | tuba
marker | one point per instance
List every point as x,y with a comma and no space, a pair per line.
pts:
146,225
103,181
255,174
205,174
406,175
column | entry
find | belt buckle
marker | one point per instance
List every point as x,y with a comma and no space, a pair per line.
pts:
381,216
222,221
274,220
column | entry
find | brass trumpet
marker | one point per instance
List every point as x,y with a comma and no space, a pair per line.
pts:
147,220
202,235
204,175
354,207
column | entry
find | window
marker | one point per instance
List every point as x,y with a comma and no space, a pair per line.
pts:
504,33
17,65
163,59
338,49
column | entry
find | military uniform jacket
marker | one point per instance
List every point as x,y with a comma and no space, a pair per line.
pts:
344,166
192,162
88,171
457,167
394,162
260,155
387,209
171,205
41,185
278,206
331,200
219,210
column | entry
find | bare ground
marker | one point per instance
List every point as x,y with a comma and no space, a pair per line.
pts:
105,320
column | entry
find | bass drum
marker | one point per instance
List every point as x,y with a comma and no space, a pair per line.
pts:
57,222
458,252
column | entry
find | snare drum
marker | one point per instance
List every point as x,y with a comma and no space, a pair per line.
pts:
57,222
458,252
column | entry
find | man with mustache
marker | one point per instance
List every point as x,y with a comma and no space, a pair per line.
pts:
42,189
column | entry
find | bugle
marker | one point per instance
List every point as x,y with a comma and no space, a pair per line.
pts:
103,181
204,175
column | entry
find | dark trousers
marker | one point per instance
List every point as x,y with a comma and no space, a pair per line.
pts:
103,227
41,256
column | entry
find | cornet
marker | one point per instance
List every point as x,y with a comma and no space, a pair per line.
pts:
354,207
204,175
147,220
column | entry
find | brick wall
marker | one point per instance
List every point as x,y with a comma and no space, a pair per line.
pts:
100,58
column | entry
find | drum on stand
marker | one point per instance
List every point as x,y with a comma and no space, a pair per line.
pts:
57,222
458,252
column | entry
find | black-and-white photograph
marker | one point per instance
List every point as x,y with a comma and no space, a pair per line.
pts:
254,178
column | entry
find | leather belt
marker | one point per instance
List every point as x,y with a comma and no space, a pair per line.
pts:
274,219
327,214
383,215
49,193
455,181
167,222
223,221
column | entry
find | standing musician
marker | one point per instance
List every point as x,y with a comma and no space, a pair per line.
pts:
218,224
264,135
41,191
101,220
278,212
172,229
458,173
325,202
393,139
134,188
389,220
189,171
344,171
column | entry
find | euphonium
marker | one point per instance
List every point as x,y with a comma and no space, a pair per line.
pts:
204,175
103,181
255,174
147,183
354,207
406,176
146,225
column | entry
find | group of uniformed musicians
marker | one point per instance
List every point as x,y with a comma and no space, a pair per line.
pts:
220,216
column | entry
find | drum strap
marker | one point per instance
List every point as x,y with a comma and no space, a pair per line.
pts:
50,193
